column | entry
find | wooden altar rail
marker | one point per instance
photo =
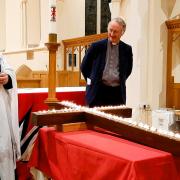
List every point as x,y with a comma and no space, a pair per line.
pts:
77,47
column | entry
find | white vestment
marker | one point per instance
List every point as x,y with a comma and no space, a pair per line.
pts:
9,128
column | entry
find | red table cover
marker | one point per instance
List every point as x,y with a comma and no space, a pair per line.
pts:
89,155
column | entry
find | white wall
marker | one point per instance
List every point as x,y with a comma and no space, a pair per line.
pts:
70,23
160,11
157,56
44,21
13,25
40,61
137,36
71,18
33,23
147,33
2,25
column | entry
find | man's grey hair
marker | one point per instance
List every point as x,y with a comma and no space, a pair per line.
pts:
120,21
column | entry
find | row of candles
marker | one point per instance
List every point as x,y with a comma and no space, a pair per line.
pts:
72,107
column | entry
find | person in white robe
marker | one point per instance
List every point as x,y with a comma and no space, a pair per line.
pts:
9,128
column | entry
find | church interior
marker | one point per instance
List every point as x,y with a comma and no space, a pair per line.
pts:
45,41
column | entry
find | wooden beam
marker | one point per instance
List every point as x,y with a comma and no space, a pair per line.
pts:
118,126
42,119
122,112
136,134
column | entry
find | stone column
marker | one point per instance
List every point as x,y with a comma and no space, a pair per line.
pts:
115,8
24,22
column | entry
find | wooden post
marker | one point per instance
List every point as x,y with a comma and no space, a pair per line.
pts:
52,46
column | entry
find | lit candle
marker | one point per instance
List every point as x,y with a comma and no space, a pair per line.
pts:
52,11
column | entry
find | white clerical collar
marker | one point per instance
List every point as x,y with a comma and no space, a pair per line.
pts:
113,44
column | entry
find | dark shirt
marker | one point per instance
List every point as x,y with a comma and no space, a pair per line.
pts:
111,71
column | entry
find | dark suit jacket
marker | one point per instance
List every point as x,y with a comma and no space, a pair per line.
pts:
93,65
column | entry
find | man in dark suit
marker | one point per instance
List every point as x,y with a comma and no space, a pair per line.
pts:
106,67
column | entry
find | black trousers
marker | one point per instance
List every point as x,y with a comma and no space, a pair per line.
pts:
107,95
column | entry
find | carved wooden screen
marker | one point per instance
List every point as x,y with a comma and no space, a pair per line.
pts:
173,64
76,48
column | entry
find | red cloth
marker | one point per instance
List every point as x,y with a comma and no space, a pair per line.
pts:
22,172
35,102
89,155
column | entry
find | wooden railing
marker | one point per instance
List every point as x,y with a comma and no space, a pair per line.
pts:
74,50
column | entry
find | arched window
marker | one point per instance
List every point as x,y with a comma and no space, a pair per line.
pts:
97,16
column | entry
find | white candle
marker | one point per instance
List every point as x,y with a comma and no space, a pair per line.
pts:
52,17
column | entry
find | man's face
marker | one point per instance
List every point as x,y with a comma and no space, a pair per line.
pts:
115,32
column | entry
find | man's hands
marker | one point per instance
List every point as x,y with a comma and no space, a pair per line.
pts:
3,78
